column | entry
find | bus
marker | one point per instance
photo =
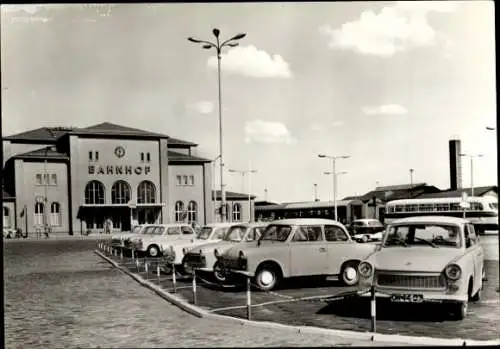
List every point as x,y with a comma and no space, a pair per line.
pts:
482,211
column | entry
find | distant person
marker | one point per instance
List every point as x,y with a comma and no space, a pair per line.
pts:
107,226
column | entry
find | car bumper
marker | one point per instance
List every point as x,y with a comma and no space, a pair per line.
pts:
428,296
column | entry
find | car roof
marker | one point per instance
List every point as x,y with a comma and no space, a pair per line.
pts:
366,220
430,219
306,221
220,224
171,224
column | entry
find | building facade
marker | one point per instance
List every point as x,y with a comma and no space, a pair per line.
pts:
73,180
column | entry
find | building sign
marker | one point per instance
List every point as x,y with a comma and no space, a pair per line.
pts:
119,170
119,151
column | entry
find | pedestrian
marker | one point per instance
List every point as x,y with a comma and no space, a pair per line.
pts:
107,226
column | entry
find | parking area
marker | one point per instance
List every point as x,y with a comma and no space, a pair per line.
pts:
307,302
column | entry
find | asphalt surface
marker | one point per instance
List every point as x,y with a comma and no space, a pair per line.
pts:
59,294
299,302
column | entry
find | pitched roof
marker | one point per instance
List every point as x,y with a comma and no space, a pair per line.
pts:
46,153
231,195
264,203
42,134
108,128
394,192
478,191
400,187
174,141
175,156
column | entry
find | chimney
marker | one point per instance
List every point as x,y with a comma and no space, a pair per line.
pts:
455,164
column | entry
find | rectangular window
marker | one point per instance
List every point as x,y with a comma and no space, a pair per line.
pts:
179,180
148,157
90,155
46,179
191,180
334,233
96,155
53,179
442,207
426,207
185,178
38,179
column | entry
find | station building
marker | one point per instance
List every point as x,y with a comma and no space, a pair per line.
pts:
73,179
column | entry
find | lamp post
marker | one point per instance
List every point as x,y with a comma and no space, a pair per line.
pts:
315,192
214,189
472,156
334,158
243,172
218,47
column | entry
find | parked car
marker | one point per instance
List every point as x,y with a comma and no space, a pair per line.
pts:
174,250
298,247
434,259
117,239
155,236
366,229
204,258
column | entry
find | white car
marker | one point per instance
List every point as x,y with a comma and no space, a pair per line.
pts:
154,236
174,251
433,259
204,258
123,238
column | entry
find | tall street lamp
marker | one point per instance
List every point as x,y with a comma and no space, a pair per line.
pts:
334,158
243,172
472,156
218,47
214,189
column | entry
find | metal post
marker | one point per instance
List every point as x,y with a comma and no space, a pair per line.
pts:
146,267
121,252
373,309
133,254
137,264
249,300
158,271
174,281
471,175
334,188
194,288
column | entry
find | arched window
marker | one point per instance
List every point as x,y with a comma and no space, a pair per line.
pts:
192,211
6,217
55,214
94,193
179,211
39,213
236,212
146,193
120,192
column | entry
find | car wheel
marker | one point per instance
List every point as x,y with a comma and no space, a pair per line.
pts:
349,274
364,238
477,296
153,251
186,269
459,310
267,277
219,275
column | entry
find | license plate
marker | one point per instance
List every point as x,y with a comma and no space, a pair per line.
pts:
407,298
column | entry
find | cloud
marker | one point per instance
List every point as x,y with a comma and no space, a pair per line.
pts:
203,107
259,131
386,109
249,61
394,29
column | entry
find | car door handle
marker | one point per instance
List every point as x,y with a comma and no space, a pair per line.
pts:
322,249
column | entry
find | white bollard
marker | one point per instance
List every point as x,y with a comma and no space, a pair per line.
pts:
158,272
173,277
249,300
146,266
194,287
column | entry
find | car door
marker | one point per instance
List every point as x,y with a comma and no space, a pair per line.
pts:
308,255
339,248
476,253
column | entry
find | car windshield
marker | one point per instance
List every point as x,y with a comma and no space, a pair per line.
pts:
432,235
276,232
148,230
136,229
157,231
204,233
236,233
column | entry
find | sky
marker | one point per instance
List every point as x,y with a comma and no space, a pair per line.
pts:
387,83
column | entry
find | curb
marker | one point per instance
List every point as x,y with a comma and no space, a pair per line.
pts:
345,334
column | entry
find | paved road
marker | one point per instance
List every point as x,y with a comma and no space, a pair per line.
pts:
60,294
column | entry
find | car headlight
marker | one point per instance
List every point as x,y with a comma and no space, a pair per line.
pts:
365,269
216,254
184,250
453,272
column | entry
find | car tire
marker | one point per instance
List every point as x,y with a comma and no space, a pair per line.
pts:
219,275
185,268
477,296
267,277
349,275
153,251
365,238
459,310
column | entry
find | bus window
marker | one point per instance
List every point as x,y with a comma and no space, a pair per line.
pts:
477,206
426,207
399,208
442,207
411,208
455,206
